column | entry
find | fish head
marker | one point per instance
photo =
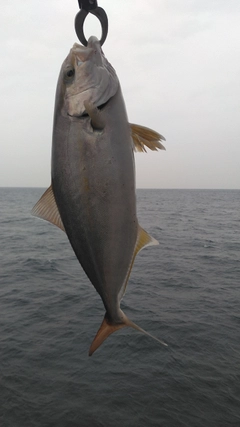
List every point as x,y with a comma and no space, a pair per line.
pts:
86,75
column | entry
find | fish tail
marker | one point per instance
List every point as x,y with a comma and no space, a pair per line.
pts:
134,326
107,328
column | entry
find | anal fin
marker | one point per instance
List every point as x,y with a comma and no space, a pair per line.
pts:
46,208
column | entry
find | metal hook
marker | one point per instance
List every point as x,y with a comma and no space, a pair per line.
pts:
87,4
90,6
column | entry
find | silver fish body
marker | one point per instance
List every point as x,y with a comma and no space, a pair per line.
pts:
93,185
92,197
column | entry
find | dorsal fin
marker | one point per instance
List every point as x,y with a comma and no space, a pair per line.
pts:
145,137
143,240
46,208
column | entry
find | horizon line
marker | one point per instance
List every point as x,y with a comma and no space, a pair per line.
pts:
137,188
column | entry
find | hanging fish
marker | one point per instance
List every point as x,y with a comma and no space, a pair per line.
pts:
92,195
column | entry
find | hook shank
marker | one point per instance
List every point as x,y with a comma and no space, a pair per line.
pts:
90,6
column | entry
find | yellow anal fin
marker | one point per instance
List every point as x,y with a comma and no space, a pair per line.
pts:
144,137
46,208
107,329
143,240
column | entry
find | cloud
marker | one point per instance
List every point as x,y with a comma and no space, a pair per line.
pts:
178,64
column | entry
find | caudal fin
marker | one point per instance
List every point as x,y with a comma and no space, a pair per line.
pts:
108,328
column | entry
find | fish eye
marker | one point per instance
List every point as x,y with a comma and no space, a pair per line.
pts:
69,74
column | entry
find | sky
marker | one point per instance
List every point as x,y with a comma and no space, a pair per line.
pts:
178,62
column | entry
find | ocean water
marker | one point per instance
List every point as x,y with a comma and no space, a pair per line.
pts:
186,291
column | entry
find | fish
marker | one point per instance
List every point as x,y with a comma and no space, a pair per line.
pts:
92,193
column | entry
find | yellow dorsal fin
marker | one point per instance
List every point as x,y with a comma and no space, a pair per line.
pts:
143,240
145,137
46,208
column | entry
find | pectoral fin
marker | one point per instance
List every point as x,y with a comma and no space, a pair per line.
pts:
46,208
144,137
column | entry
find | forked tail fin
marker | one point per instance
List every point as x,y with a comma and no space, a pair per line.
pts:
108,328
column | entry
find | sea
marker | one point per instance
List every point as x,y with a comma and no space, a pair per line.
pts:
186,292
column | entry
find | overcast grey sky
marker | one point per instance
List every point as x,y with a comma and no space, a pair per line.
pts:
178,62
